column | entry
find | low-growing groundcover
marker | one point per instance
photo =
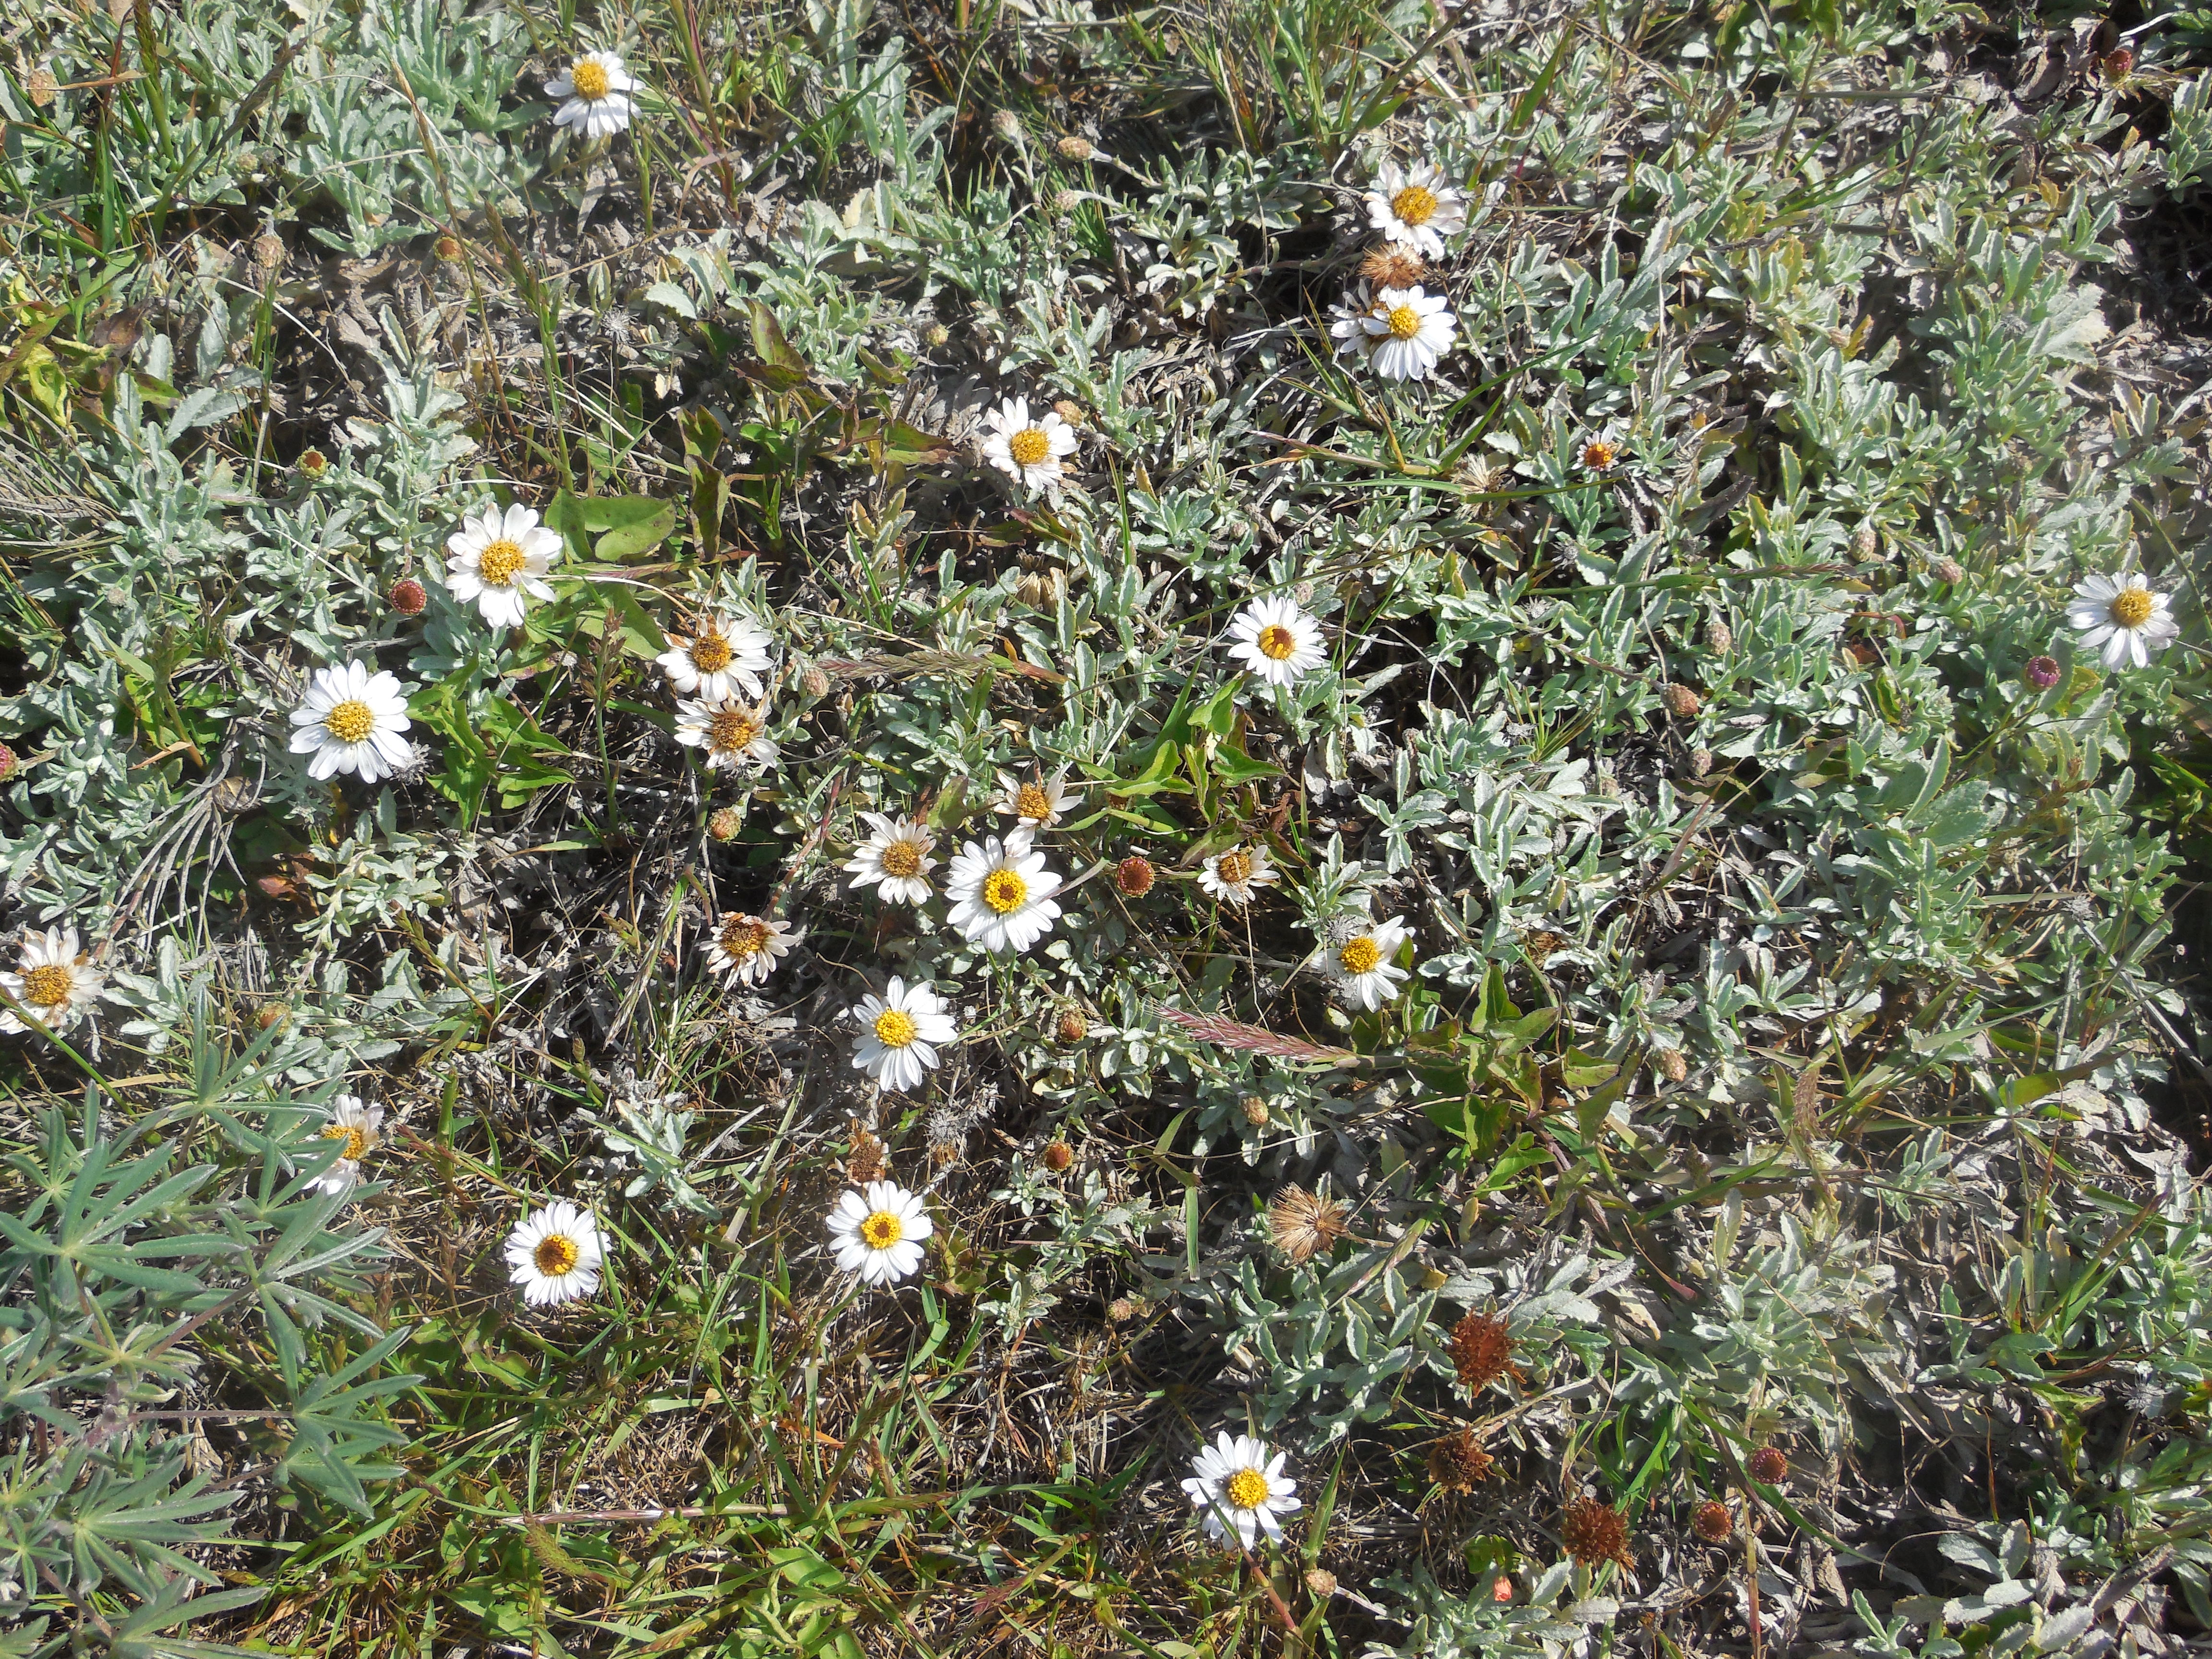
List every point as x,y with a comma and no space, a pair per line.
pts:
1024,826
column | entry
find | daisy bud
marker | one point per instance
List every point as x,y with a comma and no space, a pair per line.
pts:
1682,702
268,251
725,823
1075,148
1071,1028
2041,672
1768,1467
1007,125
1066,201
935,336
2117,65
1949,571
41,88
1712,1521
1718,640
312,463
1134,875
1254,1110
1057,1156
1322,1581
7,763
1672,1064
814,681
409,596
1501,1590
447,248
270,1014
1069,411
1121,1310
1701,761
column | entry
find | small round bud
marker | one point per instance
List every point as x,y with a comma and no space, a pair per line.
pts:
409,596
1321,1582
447,248
270,1014
1672,1064
1768,1467
1075,147
1057,1156
1121,1310
1134,876
2117,65
935,337
1719,639
1949,571
724,823
1068,409
7,763
1254,1110
312,464
1682,701
40,87
1007,125
1071,1028
1712,1521
1066,201
268,250
1701,762
2041,672
814,680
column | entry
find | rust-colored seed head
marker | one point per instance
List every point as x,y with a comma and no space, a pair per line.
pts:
1458,1461
1135,875
1769,1466
1391,266
864,1155
1682,701
1712,1521
1057,1156
723,823
1481,1350
1071,1028
409,597
2118,65
1594,1532
1303,1224
447,248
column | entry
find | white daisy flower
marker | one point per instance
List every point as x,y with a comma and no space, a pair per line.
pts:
556,1255
1276,640
356,1122
1235,875
725,656
1416,208
1028,449
1237,1486
1037,803
1348,324
596,89
745,948
896,856
53,979
350,723
730,732
877,1232
1362,965
497,559
1411,332
900,1034
2122,619
1001,895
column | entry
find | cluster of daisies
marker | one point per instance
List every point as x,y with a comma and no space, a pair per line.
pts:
1390,321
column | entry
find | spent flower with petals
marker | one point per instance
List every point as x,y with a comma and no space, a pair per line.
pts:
730,733
499,561
1234,876
745,948
877,1232
350,721
1239,1486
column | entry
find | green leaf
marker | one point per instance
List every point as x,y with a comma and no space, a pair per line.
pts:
639,525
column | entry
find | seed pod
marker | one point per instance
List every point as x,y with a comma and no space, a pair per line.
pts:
1255,1109
1672,1064
268,250
1071,1028
1595,1532
1718,639
1322,1581
1481,1349
408,597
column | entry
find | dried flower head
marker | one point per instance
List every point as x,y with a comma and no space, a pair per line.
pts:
1068,409
1134,876
1594,1533
1672,1064
1321,1582
1712,1521
1392,267
1007,125
40,87
1304,1225
1866,542
1254,1110
936,336
408,597
447,248
1458,1461
1071,1028
1701,762
864,1155
1719,638
1770,1466
269,250
271,1013
1949,571
1057,1156
1121,1310
723,823
1599,455
1481,1351
1076,148
1682,701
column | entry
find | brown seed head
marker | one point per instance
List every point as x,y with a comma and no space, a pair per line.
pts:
1594,1532
814,680
1701,762
1057,1156
1304,1225
268,250
313,462
2117,65
447,248
1712,1521
1071,1028
1134,876
1458,1461
409,596
864,1155
723,823
935,336
1076,148
1068,409
1672,1064
1254,1110
1392,267
1481,1351
1682,701
1121,1310
1770,1466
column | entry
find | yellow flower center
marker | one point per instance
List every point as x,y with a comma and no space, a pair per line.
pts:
1405,322
1004,891
355,1138
710,654
1414,205
2131,606
895,1029
498,563
590,80
351,722
1030,446
557,1254
1359,955
901,858
48,986
882,1229
1031,802
743,938
1247,1489
1233,868
1277,642
729,730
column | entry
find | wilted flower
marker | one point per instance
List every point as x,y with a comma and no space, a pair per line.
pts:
1304,1225
596,90
900,1032
1457,1461
1594,1533
1237,874
1255,1111
896,857
1712,1521
1416,207
1392,267
1057,1156
1238,1487
745,948
350,723
1276,640
1028,449
54,980
730,732
2122,619
1949,571
877,1232
556,1255
1598,456
356,1122
8,768
1481,1350
269,250
499,558
1001,895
